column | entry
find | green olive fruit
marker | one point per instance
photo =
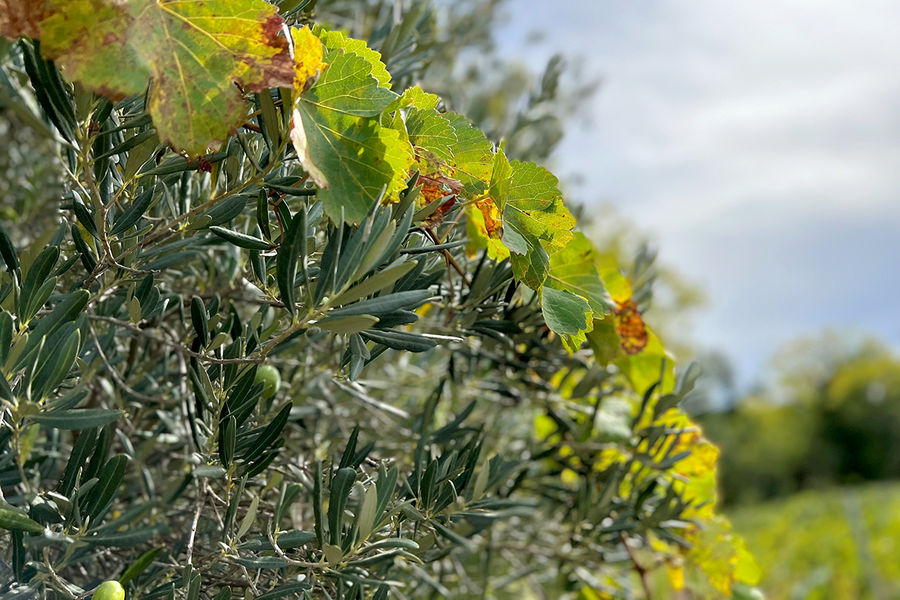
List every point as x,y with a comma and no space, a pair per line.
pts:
270,378
109,590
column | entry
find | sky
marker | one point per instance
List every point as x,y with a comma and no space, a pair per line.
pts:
757,144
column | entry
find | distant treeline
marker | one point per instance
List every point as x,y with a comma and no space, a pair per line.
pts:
832,420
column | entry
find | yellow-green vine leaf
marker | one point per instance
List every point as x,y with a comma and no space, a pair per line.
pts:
416,97
447,143
714,549
340,142
335,41
433,138
534,217
572,268
192,53
472,155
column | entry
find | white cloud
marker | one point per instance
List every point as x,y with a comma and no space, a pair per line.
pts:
758,141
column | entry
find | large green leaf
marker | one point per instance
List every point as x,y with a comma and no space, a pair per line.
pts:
449,143
568,315
433,137
341,143
193,53
534,217
337,41
572,268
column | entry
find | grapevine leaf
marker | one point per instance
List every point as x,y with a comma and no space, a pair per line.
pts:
447,143
568,315
433,136
341,144
653,364
418,98
694,477
572,268
642,369
501,173
337,41
534,218
633,333
472,155
193,53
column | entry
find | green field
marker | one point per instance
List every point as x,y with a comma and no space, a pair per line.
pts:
839,544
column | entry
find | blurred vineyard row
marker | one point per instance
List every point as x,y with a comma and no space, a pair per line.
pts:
839,544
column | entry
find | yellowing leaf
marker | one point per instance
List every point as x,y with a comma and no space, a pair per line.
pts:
485,229
490,216
433,188
432,137
715,551
630,327
616,284
192,53
649,366
472,155
307,56
448,143
436,186
720,555
572,268
676,576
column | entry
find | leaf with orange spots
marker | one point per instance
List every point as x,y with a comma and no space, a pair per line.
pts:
485,229
193,54
448,142
493,226
437,187
630,327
